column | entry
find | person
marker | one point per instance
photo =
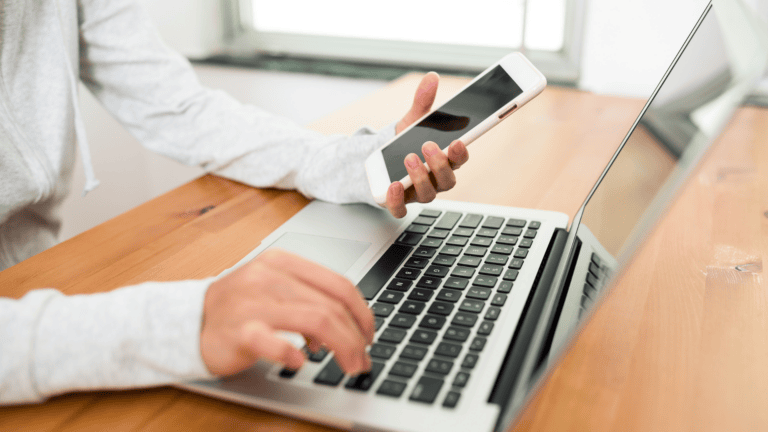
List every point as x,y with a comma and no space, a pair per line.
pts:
157,333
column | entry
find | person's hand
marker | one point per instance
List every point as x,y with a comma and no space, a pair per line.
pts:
440,178
280,291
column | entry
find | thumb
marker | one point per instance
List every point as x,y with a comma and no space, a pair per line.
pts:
422,101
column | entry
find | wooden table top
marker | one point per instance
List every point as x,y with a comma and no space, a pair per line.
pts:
681,343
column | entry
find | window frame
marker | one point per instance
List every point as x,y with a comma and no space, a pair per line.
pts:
242,39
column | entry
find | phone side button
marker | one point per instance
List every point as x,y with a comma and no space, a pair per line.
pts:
508,112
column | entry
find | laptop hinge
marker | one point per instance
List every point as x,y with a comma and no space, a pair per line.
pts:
521,339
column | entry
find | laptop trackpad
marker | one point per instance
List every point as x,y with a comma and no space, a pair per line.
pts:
335,253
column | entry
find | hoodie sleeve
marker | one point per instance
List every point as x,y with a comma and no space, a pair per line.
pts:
156,95
136,336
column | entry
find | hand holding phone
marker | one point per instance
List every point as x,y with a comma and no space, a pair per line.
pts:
484,102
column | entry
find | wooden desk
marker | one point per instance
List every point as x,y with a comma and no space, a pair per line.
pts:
680,344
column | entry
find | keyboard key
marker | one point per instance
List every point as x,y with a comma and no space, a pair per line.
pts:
364,381
516,264
440,308
496,259
456,283
526,243
439,234
485,281
476,251
380,273
471,221
596,259
317,356
464,319
408,273
479,293
392,335
424,252
399,285
412,307
448,221
442,367
591,280
461,379
451,399
478,343
534,225
422,220
485,232
449,295
413,352
470,360
382,309
393,297
403,369
426,390
505,287
330,375
516,223
469,261
475,306
430,213
511,231
499,300
457,241
491,269
434,322
378,322
502,249
530,234
594,269
432,243
417,229
507,240
448,349
451,250
423,336
465,272
429,282
287,373
417,262
403,321
391,388
493,313
437,271
464,232
493,222
382,351
410,239
521,253
485,328
481,241
456,334
444,260
420,294
511,275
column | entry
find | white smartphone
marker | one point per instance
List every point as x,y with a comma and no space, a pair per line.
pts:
482,104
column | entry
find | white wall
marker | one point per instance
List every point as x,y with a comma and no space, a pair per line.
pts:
628,45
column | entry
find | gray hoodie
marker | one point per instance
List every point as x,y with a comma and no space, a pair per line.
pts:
146,334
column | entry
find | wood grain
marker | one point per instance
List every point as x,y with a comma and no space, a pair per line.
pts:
679,344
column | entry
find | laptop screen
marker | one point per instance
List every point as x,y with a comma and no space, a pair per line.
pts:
716,68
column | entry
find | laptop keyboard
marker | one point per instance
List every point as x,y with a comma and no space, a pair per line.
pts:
596,276
435,294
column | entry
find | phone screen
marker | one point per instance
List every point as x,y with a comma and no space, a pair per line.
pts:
457,117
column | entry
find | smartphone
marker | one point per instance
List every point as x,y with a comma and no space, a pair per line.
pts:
482,104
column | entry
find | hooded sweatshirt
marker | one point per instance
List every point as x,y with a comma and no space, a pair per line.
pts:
146,334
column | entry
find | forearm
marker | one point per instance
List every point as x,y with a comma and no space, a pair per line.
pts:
136,336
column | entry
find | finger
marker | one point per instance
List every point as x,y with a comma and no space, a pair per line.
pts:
422,185
457,154
326,281
396,200
325,327
262,342
440,166
422,100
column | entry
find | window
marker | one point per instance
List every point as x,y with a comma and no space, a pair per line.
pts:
416,32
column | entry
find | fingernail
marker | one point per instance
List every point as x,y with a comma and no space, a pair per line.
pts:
412,161
428,150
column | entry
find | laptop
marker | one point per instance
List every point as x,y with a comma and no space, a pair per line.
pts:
474,302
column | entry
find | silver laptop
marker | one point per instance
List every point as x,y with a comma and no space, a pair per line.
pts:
473,302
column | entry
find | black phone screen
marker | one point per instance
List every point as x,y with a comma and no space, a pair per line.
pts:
457,117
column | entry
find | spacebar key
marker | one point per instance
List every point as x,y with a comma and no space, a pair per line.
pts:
380,273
